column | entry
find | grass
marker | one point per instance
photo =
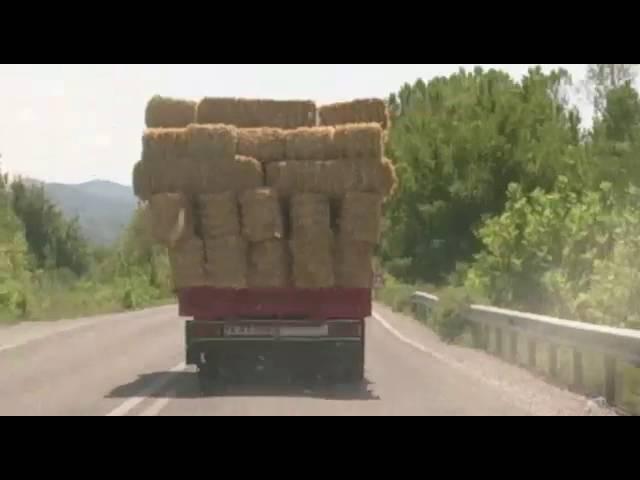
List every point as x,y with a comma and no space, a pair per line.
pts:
55,298
397,297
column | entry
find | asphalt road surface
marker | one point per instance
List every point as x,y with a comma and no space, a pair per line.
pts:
132,364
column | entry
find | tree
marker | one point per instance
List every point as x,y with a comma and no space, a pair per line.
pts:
457,143
14,276
53,241
603,77
614,144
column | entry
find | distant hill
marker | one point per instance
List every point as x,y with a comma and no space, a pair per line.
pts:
103,208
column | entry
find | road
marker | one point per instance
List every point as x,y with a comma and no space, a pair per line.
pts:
132,364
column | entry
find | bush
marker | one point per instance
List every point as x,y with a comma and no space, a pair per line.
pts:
395,294
450,315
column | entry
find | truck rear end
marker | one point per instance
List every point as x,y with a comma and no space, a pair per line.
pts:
302,333
271,211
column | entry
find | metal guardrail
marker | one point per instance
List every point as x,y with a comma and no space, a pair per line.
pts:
615,344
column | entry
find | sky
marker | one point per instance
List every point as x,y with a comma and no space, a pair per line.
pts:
75,123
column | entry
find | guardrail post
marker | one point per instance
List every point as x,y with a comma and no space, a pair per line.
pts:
553,361
476,336
532,353
499,341
578,370
513,336
486,329
610,379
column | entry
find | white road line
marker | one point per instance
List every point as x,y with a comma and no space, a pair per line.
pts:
438,356
7,347
154,389
413,343
158,405
517,396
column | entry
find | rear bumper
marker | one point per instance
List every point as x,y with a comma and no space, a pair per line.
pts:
286,353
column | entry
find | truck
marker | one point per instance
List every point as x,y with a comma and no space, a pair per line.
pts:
270,184
309,334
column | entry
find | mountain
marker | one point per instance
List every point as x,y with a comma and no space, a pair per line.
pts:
103,208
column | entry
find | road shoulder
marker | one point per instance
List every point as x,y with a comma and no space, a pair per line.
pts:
523,387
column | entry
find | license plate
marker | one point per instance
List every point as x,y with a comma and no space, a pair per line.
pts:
271,331
321,331
250,331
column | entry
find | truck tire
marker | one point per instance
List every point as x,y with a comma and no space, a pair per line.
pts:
355,372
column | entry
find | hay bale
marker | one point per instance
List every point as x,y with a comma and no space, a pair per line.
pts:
166,160
250,113
163,144
310,216
286,177
142,186
263,144
174,176
218,110
165,112
226,265
312,241
212,142
282,113
361,175
311,144
353,264
360,216
187,264
268,264
240,174
171,218
261,215
219,215
334,178
246,174
357,111
289,178
357,141
312,262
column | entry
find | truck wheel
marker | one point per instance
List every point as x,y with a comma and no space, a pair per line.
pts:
208,375
355,372
206,381
354,375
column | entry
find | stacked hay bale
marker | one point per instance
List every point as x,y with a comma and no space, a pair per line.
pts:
251,193
342,169
311,241
263,227
357,111
359,232
225,248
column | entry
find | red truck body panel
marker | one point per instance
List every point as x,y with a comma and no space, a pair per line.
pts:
208,303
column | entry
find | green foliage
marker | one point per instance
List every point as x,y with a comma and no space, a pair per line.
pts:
396,294
450,318
603,77
14,276
570,254
49,271
503,192
458,143
53,241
